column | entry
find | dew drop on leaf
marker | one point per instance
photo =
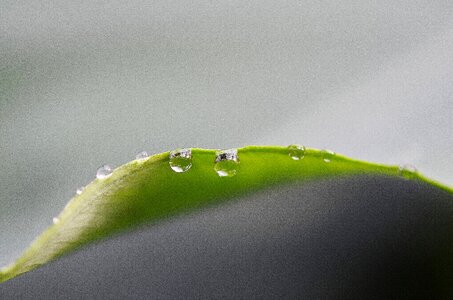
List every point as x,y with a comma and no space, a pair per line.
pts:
55,220
104,172
141,155
180,160
296,152
79,190
226,162
327,155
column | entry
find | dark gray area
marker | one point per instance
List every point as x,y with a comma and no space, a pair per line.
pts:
367,237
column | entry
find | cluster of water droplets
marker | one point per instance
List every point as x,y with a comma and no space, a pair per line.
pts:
226,163
298,152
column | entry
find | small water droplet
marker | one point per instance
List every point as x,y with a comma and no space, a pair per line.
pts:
104,172
327,155
226,162
55,220
407,171
141,155
296,152
180,160
80,190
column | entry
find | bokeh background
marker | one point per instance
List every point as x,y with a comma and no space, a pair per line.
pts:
83,83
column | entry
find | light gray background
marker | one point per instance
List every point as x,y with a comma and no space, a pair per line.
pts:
83,83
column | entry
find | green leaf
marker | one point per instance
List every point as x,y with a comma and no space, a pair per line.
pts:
149,190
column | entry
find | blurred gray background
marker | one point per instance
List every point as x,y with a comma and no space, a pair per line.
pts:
91,82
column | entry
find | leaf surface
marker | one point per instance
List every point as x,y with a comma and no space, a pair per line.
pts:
148,190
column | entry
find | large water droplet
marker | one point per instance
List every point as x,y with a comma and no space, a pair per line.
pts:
80,190
407,171
226,162
296,152
55,221
180,160
141,155
104,172
327,155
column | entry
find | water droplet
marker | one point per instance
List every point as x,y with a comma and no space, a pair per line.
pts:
226,162
407,171
327,155
55,220
104,172
180,160
296,152
141,155
80,190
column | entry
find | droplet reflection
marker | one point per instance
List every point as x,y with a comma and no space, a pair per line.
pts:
104,172
296,152
180,160
327,155
226,163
